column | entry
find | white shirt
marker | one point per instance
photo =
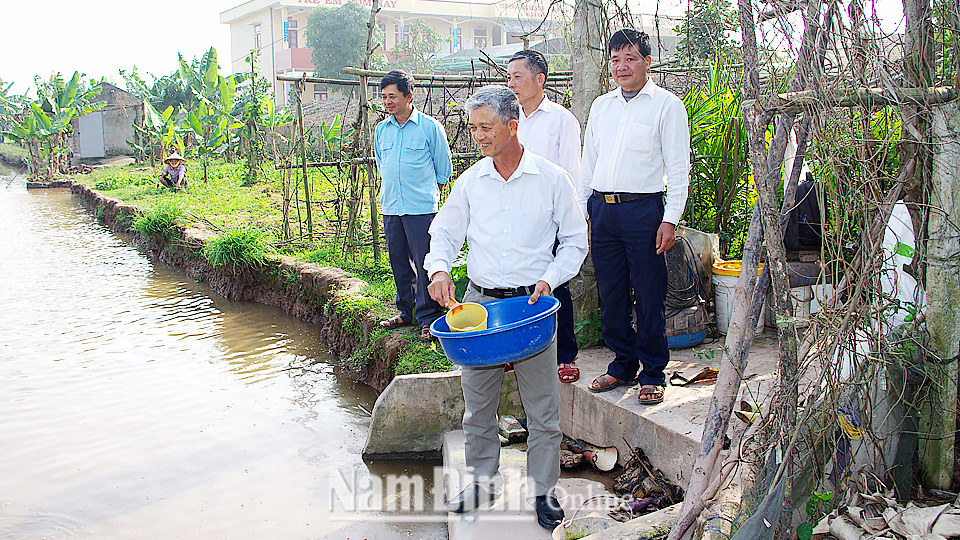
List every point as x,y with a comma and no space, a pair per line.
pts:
637,146
511,225
552,132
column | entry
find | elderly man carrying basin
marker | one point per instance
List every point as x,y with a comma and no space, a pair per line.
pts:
511,207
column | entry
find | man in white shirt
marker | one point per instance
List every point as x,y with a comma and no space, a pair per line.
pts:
549,130
636,143
511,207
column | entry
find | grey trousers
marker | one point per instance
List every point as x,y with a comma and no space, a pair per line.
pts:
540,394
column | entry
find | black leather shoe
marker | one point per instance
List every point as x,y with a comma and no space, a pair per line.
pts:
549,513
472,497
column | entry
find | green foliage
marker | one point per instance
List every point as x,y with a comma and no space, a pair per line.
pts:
851,160
946,25
588,329
160,220
421,357
817,506
705,31
338,37
246,247
44,123
721,197
418,54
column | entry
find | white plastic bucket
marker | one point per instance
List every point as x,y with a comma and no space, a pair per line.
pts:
725,276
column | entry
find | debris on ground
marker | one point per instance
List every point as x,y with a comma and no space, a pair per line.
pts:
604,459
643,488
511,429
869,509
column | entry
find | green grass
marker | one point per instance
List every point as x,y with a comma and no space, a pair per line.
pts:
14,154
160,220
421,357
246,246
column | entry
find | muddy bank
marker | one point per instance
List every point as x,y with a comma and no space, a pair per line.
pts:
310,292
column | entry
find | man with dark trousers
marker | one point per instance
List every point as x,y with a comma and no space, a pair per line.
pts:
413,160
636,144
551,131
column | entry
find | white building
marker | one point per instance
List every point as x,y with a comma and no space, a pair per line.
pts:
274,28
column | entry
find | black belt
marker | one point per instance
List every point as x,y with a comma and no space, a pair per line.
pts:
504,293
613,198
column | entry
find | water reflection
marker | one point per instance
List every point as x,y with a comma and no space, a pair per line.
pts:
135,403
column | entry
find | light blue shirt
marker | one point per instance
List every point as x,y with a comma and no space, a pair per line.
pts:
412,159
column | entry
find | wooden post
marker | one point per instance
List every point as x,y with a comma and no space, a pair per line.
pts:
303,158
365,121
943,317
589,81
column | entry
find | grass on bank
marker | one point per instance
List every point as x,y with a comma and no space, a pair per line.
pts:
248,220
13,154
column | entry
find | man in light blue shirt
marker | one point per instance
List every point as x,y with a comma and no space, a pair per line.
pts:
414,161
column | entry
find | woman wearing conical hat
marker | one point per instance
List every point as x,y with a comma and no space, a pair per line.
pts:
174,175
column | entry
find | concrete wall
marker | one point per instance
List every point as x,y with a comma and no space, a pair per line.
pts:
123,110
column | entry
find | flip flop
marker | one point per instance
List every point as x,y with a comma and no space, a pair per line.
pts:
606,388
568,373
707,374
394,322
651,390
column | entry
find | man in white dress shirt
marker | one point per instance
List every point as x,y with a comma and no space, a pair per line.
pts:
511,207
636,143
549,130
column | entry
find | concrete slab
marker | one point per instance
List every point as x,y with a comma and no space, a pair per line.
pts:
669,433
512,516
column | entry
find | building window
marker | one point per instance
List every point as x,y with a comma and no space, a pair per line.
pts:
396,34
256,39
319,96
479,37
292,33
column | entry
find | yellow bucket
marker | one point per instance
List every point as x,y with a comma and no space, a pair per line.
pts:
470,317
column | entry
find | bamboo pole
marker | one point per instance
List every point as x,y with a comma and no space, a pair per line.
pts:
862,97
303,158
365,124
363,160
424,81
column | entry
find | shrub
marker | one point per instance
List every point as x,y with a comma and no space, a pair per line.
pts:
159,220
240,247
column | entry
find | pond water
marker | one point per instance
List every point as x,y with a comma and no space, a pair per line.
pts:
136,403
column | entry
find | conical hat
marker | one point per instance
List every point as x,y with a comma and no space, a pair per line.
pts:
173,156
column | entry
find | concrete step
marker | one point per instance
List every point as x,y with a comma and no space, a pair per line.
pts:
512,516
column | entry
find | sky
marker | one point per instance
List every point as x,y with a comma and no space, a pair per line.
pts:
101,37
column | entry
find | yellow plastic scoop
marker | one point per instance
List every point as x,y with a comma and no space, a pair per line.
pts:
466,317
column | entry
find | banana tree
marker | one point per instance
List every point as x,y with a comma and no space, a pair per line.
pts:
44,124
719,172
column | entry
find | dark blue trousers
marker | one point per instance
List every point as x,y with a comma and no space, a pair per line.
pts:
566,336
623,242
407,244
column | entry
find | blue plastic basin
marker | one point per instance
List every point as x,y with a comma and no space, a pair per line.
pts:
515,330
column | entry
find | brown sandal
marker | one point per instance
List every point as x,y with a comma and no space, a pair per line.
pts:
425,333
599,385
394,322
656,393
